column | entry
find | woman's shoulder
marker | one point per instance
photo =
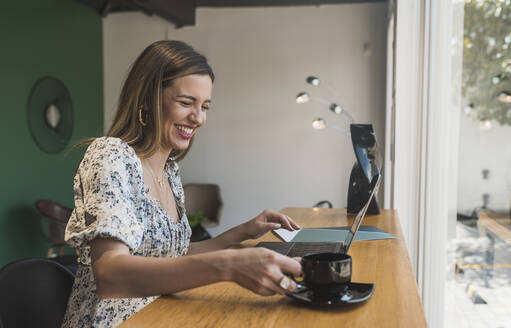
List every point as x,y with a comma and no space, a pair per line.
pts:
110,151
110,145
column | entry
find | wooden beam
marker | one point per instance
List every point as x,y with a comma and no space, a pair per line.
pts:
274,3
105,7
182,12
179,12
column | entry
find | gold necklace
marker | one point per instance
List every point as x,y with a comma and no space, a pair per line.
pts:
158,180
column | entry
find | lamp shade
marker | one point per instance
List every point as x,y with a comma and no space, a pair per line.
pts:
336,108
312,80
319,124
302,98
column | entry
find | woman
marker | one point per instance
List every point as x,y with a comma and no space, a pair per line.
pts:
129,224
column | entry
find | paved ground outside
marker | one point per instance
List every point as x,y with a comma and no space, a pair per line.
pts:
478,290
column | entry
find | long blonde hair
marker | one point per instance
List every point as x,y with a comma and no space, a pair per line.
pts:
154,70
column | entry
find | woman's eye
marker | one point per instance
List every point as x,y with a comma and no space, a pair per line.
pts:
184,103
205,107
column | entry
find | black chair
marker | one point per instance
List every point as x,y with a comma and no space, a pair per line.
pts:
323,204
56,216
34,293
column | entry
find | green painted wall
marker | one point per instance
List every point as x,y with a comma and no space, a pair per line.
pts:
59,38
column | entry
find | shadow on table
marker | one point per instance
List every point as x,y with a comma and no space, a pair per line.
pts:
262,303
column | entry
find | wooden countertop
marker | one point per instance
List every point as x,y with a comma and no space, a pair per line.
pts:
395,302
498,223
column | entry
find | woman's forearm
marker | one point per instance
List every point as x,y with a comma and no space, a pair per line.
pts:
229,238
118,274
123,275
266,221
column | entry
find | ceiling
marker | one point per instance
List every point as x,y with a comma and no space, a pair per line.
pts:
182,12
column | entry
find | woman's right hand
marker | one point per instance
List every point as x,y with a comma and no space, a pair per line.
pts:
261,270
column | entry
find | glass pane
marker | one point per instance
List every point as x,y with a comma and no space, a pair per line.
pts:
478,285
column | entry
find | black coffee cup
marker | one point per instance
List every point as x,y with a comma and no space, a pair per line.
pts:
324,272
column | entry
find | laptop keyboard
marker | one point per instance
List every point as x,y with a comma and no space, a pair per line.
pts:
279,247
302,249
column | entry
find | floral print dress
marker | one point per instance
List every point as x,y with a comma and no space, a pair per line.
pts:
112,201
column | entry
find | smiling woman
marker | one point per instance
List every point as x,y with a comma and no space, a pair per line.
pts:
129,224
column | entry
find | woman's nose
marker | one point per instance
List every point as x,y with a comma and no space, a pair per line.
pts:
198,116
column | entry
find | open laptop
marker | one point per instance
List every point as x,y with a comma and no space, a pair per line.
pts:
299,249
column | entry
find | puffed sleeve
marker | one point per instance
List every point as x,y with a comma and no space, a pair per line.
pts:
105,188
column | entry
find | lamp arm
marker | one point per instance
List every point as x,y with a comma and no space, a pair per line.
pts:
343,131
350,117
331,90
321,101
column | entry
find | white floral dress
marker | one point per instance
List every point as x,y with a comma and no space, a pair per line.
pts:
112,201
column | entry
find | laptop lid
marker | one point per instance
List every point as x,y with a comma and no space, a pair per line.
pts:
375,183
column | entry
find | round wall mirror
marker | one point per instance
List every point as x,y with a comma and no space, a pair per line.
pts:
50,114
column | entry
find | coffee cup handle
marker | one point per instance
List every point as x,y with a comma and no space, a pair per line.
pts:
298,280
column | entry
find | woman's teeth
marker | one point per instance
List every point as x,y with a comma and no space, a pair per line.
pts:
185,130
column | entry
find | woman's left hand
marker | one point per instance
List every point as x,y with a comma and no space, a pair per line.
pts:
266,221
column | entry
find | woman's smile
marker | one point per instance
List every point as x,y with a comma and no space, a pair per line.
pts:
184,131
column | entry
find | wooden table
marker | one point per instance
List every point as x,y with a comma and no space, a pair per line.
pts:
498,223
395,302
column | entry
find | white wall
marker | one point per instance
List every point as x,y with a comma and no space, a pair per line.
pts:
258,144
480,150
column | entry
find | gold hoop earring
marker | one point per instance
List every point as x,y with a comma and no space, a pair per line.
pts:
140,116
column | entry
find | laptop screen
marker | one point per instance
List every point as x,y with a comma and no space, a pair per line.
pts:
375,183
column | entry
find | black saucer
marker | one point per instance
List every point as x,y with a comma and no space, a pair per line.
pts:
349,293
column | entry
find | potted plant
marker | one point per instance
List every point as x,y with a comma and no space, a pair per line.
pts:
198,231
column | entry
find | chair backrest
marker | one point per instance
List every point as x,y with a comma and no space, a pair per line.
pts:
34,293
323,204
54,210
55,219
206,198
